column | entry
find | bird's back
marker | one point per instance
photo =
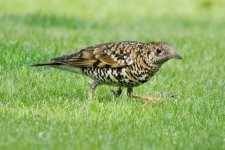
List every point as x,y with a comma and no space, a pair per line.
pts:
119,63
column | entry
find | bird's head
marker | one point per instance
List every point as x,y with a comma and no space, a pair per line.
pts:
158,52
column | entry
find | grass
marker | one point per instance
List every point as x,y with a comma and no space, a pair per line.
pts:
43,108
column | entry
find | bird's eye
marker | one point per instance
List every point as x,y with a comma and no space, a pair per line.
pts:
158,50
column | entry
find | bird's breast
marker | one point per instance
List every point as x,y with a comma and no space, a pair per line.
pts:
124,76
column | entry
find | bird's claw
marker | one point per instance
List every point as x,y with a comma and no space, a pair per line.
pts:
117,93
148,100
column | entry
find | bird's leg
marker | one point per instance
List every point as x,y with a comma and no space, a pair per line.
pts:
118,92
146,98
130,92
91,90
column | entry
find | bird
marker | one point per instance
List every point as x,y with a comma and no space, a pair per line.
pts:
124,64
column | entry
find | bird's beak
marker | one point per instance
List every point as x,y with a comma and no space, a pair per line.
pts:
173,54
177,56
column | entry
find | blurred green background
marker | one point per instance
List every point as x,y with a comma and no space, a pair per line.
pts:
42,108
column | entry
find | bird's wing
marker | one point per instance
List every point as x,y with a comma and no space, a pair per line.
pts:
112,55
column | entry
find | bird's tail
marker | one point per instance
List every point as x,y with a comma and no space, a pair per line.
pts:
51,63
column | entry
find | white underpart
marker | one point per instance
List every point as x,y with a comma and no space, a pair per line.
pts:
124,71
130,62
95,74
111,76
142,77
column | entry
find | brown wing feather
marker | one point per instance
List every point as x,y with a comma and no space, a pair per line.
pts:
105,55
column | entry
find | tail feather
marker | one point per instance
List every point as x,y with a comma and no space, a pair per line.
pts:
51,63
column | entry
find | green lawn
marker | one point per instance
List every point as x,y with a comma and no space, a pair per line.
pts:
45,108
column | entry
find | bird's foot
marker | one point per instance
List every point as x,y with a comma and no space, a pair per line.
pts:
117,93
90,95
91,89
148,99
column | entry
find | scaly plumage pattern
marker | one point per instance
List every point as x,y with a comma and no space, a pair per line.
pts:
124,64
